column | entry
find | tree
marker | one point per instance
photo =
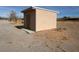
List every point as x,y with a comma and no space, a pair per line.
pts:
66,18
13,16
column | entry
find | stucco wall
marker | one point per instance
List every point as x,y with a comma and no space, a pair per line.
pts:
45,20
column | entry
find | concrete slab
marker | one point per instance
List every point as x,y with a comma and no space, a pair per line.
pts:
28,31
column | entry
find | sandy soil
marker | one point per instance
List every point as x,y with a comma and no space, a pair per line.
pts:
65,38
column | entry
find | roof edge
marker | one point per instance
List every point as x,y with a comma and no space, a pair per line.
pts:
26,9
34,7
45,9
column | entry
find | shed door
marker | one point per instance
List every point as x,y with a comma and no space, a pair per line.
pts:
28,20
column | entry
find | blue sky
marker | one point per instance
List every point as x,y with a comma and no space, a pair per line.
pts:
72,11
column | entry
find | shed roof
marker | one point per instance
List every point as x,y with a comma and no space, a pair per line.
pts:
33,7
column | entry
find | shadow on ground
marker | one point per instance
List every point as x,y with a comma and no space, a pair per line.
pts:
20,27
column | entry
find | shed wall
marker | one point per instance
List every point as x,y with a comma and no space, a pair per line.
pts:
29,19
45,20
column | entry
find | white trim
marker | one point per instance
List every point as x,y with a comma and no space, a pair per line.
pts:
45,9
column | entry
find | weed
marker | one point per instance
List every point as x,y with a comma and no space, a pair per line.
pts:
64,38
61,29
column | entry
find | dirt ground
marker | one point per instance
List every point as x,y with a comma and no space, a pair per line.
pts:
64,39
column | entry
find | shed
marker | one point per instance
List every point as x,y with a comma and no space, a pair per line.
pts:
38,19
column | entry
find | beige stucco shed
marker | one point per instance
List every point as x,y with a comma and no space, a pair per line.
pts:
38,19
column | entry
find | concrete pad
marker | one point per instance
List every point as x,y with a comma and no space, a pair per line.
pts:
28,31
